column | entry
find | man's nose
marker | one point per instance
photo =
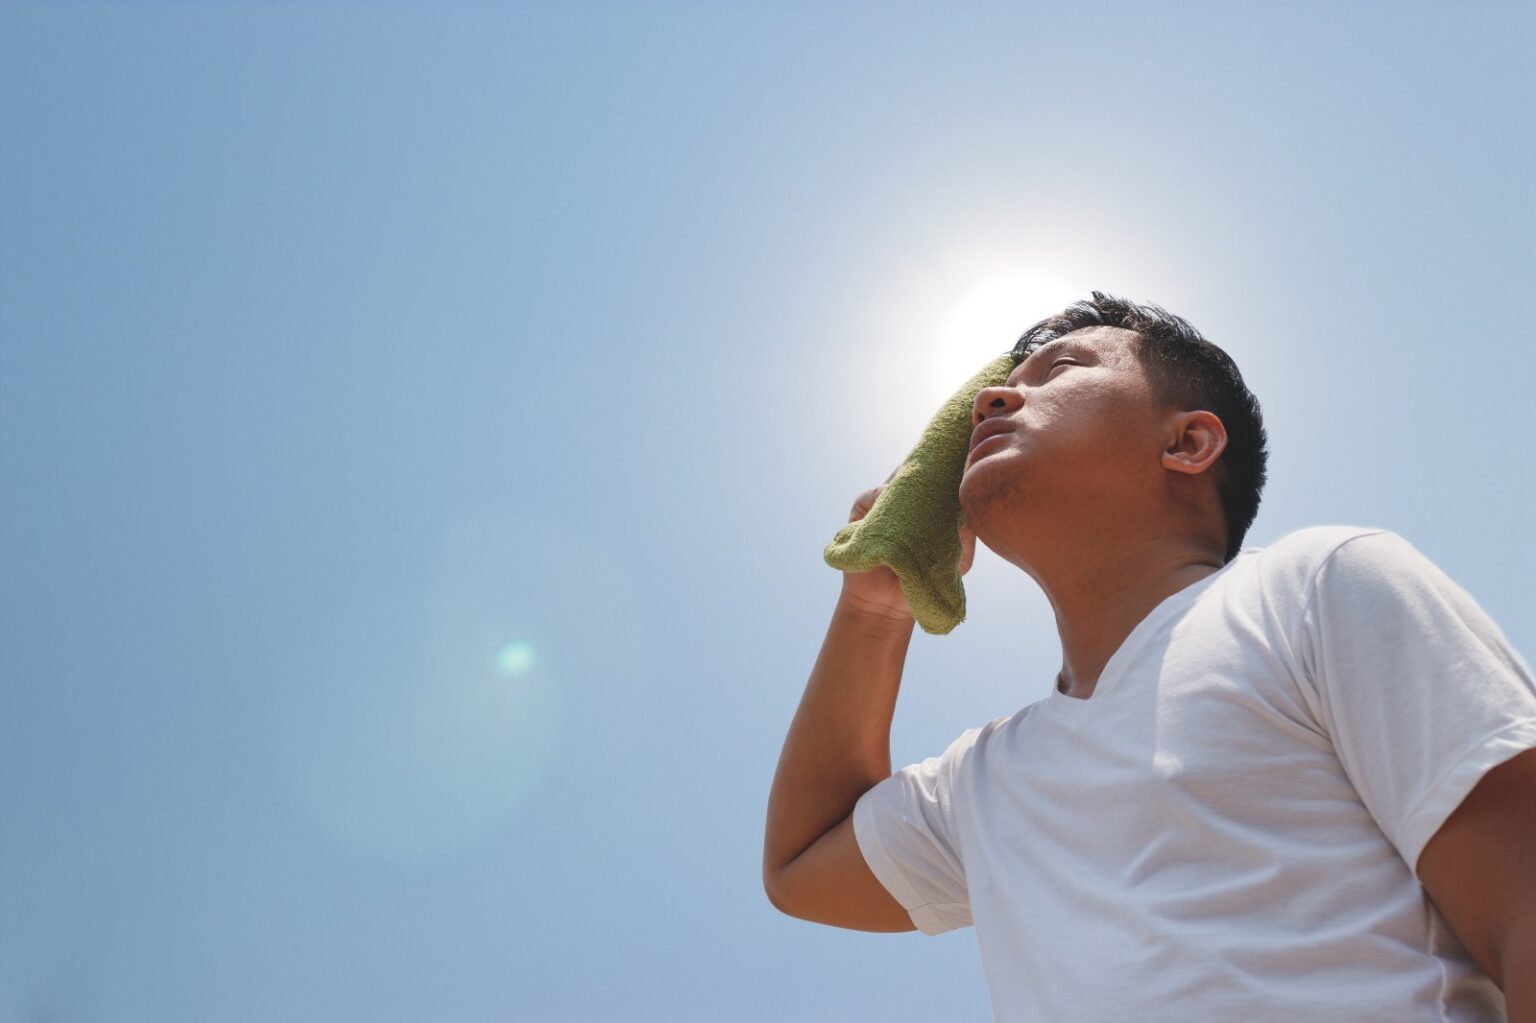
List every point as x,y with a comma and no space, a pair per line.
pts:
990,401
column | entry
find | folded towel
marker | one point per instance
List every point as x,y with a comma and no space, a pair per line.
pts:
913,528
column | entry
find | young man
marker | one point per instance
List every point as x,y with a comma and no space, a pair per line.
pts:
1271,783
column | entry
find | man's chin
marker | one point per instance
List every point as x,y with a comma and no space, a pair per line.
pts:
985,493
972,470
974,496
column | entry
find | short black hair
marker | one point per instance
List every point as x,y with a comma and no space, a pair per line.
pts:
1184,371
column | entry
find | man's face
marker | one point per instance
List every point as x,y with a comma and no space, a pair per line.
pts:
1083,437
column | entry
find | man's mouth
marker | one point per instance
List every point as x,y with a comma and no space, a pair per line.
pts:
985,442
989,429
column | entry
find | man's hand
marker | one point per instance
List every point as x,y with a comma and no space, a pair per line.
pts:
878,590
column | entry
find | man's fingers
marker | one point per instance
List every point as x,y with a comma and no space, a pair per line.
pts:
865,502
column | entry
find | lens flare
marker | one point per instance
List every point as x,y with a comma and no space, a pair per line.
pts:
515,658
396,727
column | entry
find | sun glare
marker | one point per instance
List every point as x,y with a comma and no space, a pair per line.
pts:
990,319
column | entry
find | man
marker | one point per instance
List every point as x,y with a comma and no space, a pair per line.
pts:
1271,783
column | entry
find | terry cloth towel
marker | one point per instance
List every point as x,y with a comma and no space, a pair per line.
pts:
914,526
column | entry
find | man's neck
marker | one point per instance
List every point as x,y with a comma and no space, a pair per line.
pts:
1100,601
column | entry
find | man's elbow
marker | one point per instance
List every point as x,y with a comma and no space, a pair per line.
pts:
774,891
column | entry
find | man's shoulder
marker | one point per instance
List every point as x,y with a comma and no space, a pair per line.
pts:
1299,555
1320,541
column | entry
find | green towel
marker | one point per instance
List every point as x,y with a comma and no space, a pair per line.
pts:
914,526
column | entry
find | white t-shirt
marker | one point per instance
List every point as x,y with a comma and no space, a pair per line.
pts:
1225,828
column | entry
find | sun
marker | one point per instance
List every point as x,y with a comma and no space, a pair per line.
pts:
990,319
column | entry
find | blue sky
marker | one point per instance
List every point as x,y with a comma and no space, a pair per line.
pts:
421,427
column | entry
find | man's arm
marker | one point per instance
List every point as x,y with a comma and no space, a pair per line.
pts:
838,747
1480,872
1519,971
1419,689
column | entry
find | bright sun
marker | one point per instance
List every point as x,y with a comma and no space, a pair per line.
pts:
990,320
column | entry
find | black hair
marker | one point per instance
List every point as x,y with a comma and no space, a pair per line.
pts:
1184,371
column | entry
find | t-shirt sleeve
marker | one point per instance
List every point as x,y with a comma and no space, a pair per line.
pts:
1419,689
905,827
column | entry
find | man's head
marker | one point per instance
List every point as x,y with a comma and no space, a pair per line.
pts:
1111,406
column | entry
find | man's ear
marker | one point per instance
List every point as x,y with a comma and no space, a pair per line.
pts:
1199,438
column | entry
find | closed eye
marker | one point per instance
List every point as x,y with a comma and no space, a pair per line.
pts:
1017,373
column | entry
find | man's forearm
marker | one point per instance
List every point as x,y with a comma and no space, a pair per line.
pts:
839,743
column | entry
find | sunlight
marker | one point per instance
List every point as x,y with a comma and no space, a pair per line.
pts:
990,319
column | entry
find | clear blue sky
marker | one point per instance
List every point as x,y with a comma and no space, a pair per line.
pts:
420,427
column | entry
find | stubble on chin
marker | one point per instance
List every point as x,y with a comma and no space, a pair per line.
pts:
980,499
991,503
